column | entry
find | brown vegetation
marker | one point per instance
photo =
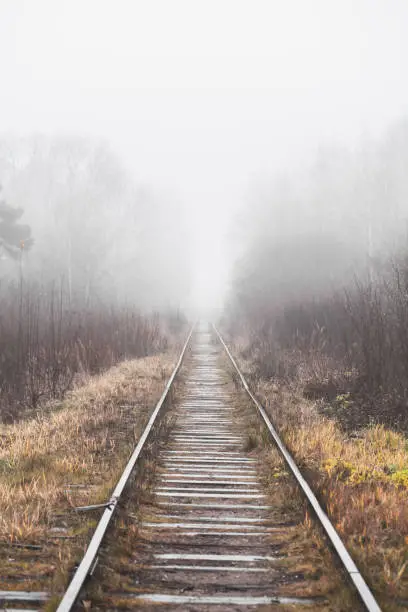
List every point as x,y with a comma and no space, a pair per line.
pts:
350,348
332,370
307,555
68,456
360,479
47,341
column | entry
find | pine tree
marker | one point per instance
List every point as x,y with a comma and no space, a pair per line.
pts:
14,237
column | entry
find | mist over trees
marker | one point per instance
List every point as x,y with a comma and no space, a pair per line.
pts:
93,267
15,237
309,233
320,293
95,228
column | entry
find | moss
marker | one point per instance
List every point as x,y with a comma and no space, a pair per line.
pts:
353,474
343,400
400,477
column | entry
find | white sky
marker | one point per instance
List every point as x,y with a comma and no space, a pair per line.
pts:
202,97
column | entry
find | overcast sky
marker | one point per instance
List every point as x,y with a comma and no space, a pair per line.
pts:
204,98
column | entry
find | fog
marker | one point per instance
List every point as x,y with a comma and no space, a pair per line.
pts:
153,130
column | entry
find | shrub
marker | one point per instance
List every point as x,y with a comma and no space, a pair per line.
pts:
46,341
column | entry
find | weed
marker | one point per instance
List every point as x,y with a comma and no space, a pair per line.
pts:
71,457
363,482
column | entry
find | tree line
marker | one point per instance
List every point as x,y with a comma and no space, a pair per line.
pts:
321,284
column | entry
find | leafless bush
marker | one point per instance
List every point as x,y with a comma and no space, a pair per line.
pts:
356,339
46,340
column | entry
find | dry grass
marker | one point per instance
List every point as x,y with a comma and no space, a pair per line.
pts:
69,456
312,569
361,481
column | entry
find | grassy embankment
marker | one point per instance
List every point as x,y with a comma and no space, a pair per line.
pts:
360,477
70,455
310,567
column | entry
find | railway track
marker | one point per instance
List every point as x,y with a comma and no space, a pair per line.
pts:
204,535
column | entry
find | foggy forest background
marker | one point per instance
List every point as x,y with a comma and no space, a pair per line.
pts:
87,258
320,291
92,265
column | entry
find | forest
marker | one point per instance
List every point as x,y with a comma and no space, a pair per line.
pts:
320,290
87,256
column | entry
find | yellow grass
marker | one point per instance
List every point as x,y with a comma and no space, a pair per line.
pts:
362,481
69,455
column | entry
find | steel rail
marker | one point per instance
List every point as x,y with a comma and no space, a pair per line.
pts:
362,588
88,562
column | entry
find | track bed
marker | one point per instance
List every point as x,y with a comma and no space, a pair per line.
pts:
207,534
